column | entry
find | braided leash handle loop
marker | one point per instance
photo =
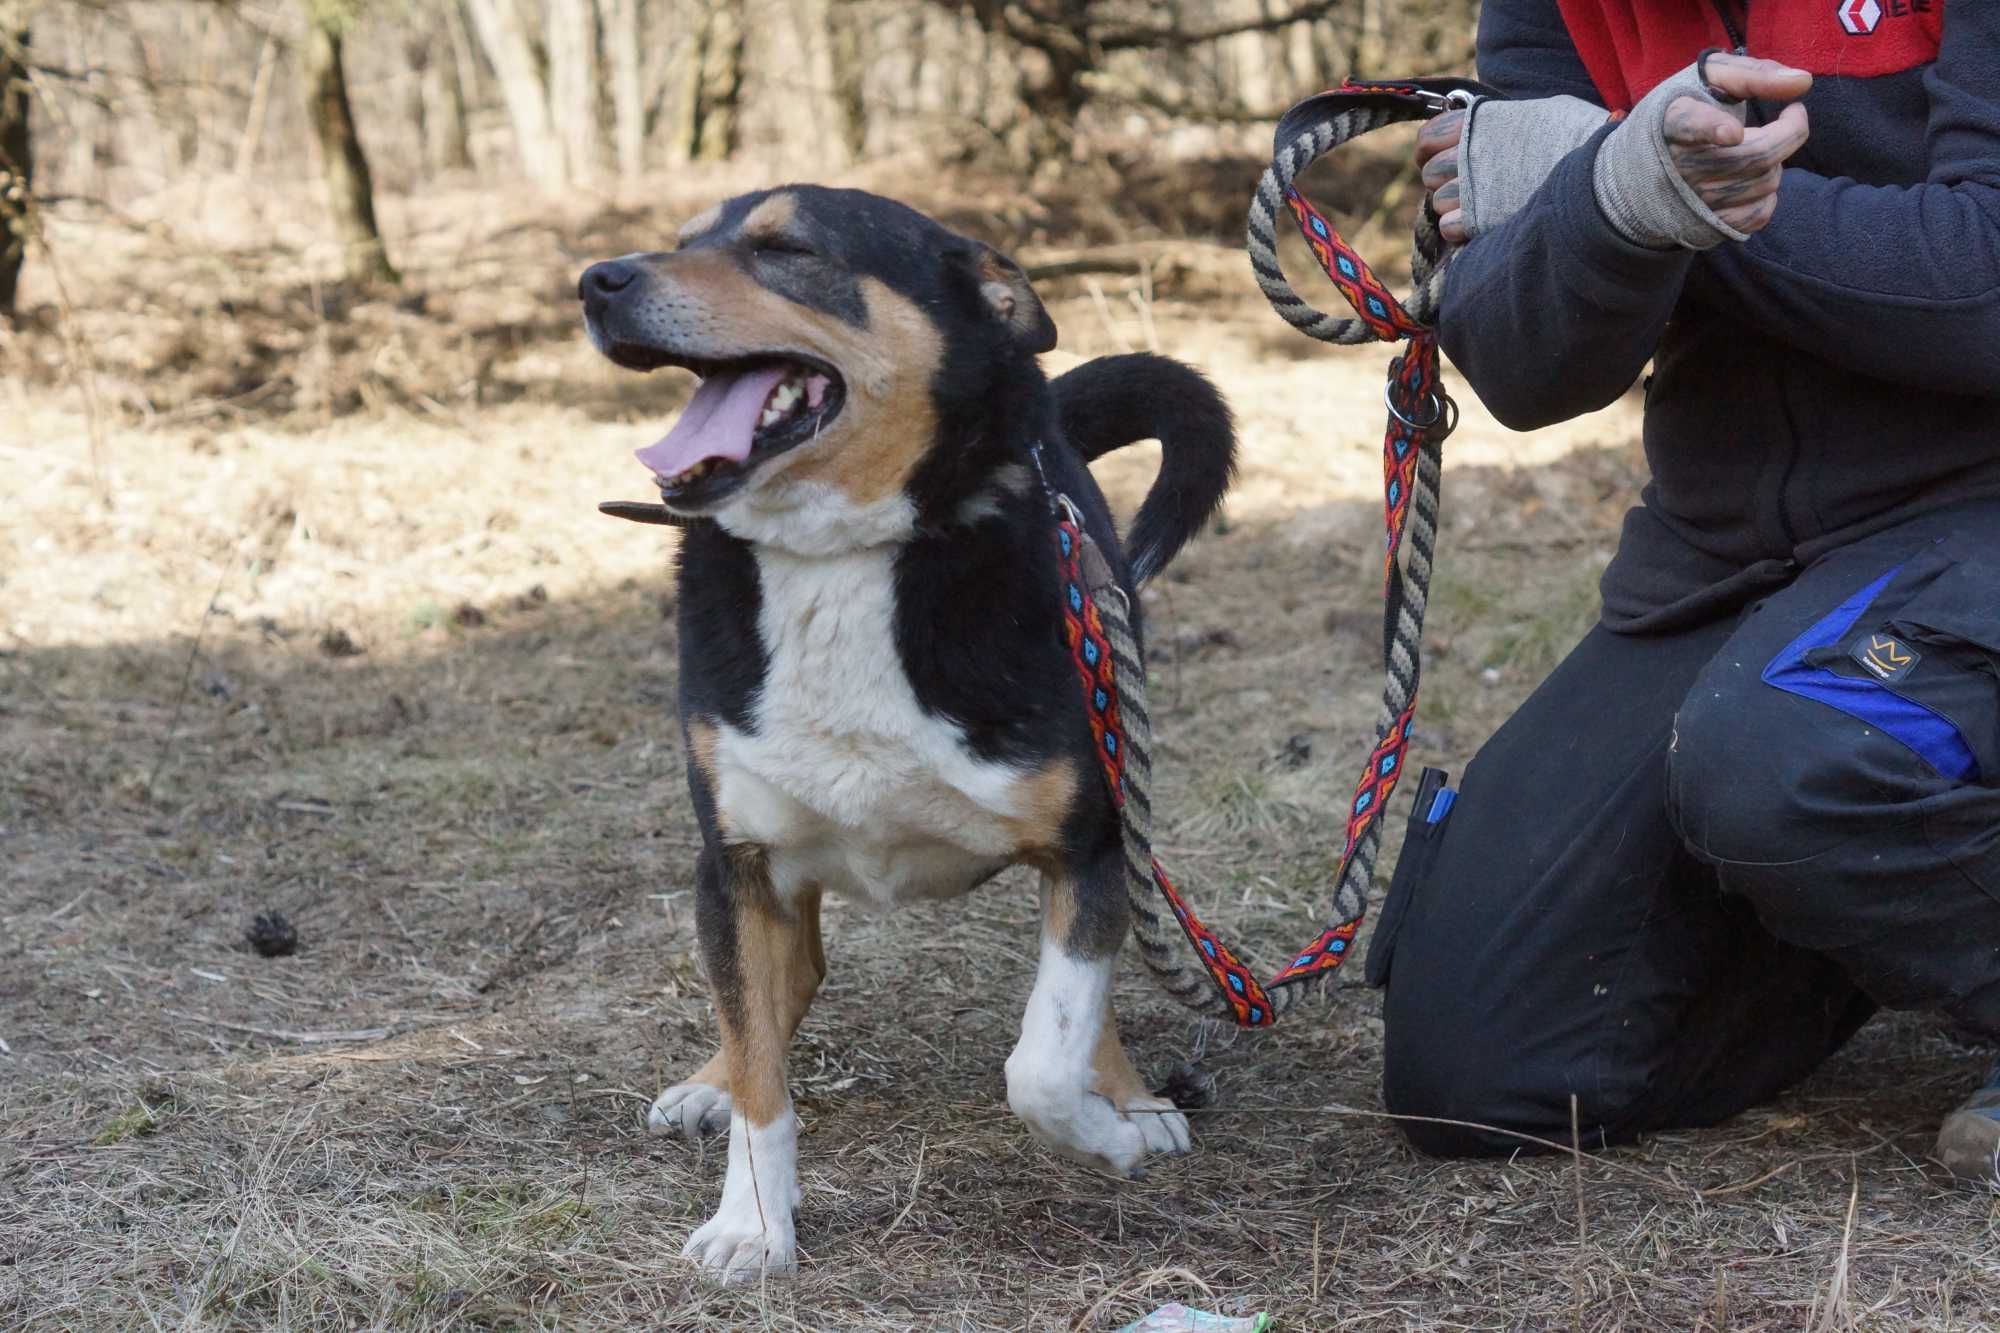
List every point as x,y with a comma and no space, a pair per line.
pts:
1309,131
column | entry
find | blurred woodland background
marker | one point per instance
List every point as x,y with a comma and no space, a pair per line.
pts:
112,101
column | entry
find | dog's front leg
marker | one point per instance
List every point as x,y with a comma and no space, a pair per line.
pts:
759,951
1069,1079
700,1105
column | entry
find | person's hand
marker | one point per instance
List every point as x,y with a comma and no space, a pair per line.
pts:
1484,164
1437,155
1734,169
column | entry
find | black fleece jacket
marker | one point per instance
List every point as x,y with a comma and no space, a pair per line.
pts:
1836,373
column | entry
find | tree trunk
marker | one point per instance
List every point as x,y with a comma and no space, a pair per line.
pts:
1368,52
17,163
687,90
1050,66
977,106
572,48
1051,99
513,58
1301,65
1258,58
849,64
624,48
461,88
350,192
260,101
445,143
721,83
916,41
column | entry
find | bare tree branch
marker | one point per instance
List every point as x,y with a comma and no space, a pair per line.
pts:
1128,39
1113,87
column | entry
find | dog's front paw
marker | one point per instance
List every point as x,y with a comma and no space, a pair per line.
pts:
734,1249
752,1233
695,1109
1160,1123
1079,1125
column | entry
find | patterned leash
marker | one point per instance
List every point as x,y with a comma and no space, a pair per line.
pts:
1098,617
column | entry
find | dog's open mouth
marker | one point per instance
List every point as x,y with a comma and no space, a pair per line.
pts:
745,412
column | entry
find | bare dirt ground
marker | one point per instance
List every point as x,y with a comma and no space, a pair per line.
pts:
312,612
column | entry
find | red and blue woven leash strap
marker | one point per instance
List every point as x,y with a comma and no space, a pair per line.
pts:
1091,654
1420,415
1414,380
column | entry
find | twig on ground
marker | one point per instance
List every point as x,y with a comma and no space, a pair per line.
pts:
1582,1223
915,1180
1724,1191
1176,1278
308,1036
1838,1314
194,652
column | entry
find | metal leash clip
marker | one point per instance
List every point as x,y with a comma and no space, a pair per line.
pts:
1456,99
1443,408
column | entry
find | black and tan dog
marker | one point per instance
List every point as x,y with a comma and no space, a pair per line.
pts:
874,688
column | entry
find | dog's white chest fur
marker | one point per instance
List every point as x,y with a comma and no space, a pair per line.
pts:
846,780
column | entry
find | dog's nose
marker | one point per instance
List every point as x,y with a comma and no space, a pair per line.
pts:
606,279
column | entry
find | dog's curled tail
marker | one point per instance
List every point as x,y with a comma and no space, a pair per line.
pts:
1114,401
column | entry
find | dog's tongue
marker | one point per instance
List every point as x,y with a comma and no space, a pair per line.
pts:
718,422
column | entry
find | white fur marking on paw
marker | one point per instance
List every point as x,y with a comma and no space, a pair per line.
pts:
1160,1123
752,1232
693,1109
1049,1074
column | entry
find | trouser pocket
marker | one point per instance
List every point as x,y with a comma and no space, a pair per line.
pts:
1428,813
1921,660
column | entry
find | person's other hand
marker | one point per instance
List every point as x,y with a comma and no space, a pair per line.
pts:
1437,155
1484,164
1736,170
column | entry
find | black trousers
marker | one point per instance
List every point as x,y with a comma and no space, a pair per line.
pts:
1693,864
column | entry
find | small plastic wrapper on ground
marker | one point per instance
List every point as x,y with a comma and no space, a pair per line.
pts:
1178,1318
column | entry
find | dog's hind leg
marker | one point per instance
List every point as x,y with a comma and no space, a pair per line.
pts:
1069,1079
700,1104
763,954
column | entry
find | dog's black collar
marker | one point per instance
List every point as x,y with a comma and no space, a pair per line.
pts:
638,511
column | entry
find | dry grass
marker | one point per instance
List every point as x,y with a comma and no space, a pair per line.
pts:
357,648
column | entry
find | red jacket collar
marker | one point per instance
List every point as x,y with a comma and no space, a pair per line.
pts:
1629,46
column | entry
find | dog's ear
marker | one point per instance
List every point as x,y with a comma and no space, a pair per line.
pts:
1004,290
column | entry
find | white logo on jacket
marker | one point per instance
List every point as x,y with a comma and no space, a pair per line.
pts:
1860,17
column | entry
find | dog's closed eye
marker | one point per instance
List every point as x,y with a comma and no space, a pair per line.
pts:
781,244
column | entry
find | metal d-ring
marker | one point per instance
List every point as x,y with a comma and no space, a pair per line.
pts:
1438,404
